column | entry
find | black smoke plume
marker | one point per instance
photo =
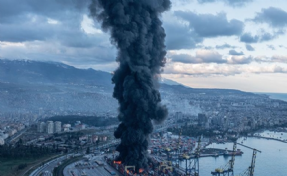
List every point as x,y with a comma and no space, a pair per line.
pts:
137,32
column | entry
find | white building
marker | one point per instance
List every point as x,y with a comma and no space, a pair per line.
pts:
41,127
2,142
67,127
12,132
50,127
57,127
4,135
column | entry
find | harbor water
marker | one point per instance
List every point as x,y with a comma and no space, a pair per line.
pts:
271,162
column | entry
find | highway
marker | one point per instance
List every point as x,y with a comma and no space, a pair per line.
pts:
49,166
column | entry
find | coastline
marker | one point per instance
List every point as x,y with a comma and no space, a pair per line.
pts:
270,138
256,134
275,96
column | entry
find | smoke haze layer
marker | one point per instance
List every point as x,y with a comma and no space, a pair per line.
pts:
137,32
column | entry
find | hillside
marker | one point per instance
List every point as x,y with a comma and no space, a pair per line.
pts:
49,88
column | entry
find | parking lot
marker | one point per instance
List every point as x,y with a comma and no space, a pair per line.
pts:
90,167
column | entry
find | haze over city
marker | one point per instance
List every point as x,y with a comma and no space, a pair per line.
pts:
211,43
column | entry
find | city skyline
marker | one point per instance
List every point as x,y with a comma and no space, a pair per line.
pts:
211,43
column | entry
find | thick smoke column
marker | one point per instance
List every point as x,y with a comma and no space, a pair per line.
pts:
137,32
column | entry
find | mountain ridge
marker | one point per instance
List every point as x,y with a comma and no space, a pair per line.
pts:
26,70
49,89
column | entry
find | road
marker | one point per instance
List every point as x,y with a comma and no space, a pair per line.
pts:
15,136
49,166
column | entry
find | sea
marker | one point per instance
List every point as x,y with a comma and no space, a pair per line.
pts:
272,161
278,96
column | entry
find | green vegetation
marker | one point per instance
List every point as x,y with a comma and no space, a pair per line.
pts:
192,131
14,159
20,151
11,167
71,135
96,121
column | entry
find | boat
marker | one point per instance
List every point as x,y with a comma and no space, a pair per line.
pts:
231,153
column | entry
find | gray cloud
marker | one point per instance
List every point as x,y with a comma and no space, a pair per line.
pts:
39,30
279,69
275,17
273,59
271,47
29,21
235,53
51,29
210,69
204,47
279,58
208,56
224,46
208,47
202,56
263,37
180,37
249,47
248,38
208,25
24,32
13,10
51,51
240,59
184,58
234,3
282,46
267,37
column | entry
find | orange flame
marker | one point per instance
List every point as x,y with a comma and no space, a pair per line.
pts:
117,162
141,170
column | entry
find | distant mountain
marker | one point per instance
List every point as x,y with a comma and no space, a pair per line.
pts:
19,71
203,91
50,88
26,71
168,82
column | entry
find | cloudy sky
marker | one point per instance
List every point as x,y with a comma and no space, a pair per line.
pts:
237,44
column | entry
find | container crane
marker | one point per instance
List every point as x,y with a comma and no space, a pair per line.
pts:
193,168
167,151
178,147
250,169
227,170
